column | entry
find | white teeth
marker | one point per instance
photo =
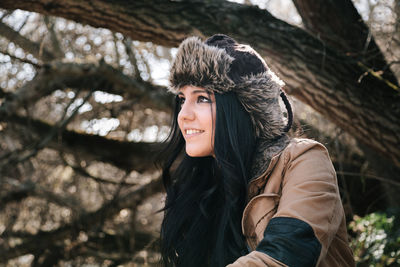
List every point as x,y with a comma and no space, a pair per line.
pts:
192,131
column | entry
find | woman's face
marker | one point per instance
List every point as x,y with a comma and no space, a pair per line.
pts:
196,120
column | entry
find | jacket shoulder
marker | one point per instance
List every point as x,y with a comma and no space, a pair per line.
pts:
299,146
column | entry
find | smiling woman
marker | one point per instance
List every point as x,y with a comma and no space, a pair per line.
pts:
242,192
196,120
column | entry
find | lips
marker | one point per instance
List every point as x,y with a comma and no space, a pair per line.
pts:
192,132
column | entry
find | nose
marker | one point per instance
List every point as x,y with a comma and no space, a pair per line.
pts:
186,112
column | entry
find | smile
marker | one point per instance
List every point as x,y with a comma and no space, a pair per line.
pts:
192,131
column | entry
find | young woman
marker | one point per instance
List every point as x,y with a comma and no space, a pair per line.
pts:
240,192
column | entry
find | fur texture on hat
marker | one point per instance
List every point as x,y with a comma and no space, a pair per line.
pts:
206,66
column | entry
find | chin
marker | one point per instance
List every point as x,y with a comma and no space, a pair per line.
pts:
197,154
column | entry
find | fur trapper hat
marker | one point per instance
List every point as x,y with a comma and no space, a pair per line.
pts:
220,65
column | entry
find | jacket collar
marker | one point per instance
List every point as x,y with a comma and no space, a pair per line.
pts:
265,152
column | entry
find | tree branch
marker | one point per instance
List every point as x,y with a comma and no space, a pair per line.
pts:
29,188
15,158
122,154
131,55
24,60
101,76
339,25
84,222
53,37
23,42
78,169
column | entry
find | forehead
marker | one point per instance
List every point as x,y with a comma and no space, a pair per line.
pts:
190,89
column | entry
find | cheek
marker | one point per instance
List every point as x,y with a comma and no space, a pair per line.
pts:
209,126
179,121
213,117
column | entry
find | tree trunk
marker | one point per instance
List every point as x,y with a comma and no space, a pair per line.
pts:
339,25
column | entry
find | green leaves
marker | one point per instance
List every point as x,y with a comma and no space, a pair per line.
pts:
377,239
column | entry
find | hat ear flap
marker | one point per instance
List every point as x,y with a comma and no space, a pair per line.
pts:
259,95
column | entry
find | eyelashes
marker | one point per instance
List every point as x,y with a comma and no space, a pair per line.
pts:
200,99
203,99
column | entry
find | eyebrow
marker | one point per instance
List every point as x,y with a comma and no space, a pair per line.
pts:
194,92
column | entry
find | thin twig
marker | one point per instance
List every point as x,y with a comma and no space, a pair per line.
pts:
24,60
117,57
34,149
24,23
6,14
376,75
53,37
131,54
84,172
120,185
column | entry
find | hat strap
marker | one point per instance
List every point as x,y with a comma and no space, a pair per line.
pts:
289,110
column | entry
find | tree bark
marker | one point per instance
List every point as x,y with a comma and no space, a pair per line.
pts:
343,89
339,25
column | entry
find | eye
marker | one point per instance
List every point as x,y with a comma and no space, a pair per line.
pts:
203,99
181,100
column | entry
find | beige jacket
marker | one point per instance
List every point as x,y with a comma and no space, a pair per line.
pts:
300,182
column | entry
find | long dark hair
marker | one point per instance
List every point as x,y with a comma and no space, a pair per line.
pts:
206,195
